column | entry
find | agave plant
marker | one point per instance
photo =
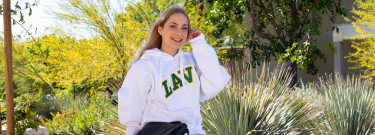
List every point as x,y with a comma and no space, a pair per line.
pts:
265,106
349,105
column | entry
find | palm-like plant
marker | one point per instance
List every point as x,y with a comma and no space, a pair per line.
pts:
266,106
349,106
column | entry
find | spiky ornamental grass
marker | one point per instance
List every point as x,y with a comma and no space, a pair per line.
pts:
114,127
265,106
349,106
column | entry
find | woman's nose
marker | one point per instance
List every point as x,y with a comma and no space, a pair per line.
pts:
179,32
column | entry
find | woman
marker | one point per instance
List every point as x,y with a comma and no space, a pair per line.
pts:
155,90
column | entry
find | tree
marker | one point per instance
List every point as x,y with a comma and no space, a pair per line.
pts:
229,19
115,36
102,20
363,21
288,26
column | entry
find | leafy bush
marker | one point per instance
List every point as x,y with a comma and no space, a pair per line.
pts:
29,121
48,105
85,116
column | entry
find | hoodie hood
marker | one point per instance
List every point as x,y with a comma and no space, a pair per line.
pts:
155,52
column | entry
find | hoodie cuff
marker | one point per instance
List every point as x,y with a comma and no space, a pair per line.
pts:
198,40
131,131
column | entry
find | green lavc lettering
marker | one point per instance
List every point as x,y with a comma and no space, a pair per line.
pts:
176,81
188,77
168,92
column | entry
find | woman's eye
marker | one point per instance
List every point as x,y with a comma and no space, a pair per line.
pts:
173,26
184,28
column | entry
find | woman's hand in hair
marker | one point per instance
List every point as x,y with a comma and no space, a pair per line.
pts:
194,33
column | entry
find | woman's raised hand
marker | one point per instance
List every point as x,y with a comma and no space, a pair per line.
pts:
194,33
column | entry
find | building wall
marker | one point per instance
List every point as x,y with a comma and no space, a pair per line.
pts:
325,37
348,49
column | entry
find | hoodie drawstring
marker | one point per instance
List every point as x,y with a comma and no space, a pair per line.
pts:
161,73
160,78
182,69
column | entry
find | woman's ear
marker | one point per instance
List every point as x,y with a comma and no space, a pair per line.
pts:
160,29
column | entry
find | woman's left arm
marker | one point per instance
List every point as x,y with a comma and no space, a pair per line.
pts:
212,75
132,97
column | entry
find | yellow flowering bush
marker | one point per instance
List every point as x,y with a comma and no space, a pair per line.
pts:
363,43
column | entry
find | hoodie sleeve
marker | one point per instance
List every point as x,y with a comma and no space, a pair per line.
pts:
132,97
212,75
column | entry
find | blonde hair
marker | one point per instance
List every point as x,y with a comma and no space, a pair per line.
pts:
154,38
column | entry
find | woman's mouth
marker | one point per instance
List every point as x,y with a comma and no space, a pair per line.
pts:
177,40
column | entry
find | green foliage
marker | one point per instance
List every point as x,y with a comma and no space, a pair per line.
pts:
47,106
263,107
25,98
294,22
82,116
299,58
25,113
229,19
30,121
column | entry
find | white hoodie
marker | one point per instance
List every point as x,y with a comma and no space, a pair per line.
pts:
152,91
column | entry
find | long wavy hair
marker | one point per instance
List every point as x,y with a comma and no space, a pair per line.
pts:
154,38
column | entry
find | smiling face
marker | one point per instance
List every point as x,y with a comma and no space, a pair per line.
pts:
174,33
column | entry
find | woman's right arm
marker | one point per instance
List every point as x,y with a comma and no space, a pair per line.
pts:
132,97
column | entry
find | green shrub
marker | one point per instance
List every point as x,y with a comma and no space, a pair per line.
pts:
85,116
266,106
348,106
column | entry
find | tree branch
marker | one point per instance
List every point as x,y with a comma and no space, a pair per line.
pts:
307,36
259,33
293,12
300,30
293,9
261,6
25,30
278,33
